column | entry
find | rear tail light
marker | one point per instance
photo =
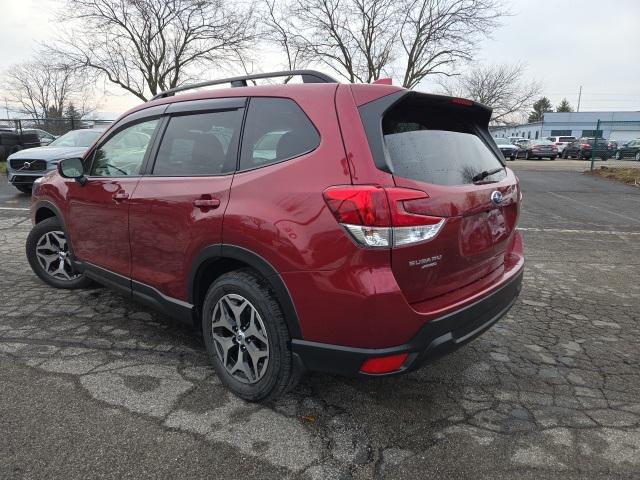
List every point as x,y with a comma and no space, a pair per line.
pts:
585,145
382,217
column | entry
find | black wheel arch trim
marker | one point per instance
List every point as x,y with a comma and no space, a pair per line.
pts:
40,204
261,265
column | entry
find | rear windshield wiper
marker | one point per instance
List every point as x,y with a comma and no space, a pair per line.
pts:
484,174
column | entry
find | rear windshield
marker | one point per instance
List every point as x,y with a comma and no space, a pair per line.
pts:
436,144
541,142
566,139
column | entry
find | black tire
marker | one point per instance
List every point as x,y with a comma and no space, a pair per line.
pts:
35,236
280,374
24,188
637,157
526,155
580,155
564,154
618,155
552,158
512,157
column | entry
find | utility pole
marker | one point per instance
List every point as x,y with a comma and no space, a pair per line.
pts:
579,98
6,107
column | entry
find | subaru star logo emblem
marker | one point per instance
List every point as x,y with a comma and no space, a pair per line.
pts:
496,197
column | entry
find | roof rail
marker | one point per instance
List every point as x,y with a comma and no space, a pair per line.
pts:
308,76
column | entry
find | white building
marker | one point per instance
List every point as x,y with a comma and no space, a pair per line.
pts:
619,126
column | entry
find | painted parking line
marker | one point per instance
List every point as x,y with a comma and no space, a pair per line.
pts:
15,209
583,232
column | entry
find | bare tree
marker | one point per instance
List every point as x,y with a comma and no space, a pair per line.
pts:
500,87
146,46
44,87
354,38
278,27
361,40
436,34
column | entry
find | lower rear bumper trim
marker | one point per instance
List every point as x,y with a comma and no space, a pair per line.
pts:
435,339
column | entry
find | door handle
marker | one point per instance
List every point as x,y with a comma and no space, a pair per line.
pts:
206,203
120,195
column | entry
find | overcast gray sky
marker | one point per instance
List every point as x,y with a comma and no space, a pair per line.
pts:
566,43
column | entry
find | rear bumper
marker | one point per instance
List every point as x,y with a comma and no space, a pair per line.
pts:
435,339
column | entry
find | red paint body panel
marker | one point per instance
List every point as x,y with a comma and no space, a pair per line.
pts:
168,231
365,308
472,243
98,222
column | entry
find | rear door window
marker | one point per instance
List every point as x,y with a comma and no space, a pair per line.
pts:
276,129
199,144
436,145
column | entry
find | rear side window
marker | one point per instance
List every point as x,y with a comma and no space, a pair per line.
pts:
276,129
199,144
435,144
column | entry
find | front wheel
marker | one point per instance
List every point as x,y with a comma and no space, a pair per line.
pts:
247,338
580,155
50,258
552,158
637,157
526,155
618,156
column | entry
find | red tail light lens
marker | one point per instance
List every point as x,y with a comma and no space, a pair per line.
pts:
387,364
382,217
365,205
585,145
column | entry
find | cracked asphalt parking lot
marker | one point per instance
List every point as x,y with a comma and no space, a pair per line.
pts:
93,385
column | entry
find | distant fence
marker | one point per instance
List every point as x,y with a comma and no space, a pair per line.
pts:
55,126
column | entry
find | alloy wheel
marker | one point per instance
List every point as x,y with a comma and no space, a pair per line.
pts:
240,338
52,253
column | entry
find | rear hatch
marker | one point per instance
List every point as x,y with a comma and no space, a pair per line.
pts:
441,146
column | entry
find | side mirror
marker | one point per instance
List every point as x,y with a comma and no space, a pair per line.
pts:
72,168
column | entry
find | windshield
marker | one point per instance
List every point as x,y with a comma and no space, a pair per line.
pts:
77,138
502,141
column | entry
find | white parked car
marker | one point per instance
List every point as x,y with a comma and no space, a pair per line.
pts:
515,140
561,142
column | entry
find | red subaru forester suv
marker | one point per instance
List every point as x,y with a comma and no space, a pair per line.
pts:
352,229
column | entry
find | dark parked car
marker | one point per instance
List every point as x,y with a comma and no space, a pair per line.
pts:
537,149
356,229
44,137
27,165
631,149
583,148
508,149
